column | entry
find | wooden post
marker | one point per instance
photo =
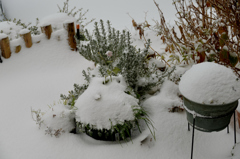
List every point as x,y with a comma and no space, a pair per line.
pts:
26,35
47,30
18,48
71,33
5,47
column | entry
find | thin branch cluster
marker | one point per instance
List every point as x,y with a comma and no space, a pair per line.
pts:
206,31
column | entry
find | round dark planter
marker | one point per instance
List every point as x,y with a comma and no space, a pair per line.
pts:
209,118
104,134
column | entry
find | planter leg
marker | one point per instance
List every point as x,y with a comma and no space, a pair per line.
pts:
228,129
188,126
193,137
234,116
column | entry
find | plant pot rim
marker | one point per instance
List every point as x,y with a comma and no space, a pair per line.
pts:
211,105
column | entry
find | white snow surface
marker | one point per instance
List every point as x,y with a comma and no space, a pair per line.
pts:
101,103
58,117
210,83
2,36
115,11
157,62
36,76
24,31
56,20
10,28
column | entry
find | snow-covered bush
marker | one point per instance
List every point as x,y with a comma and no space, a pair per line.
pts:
108,108
56,120
113,54
110,101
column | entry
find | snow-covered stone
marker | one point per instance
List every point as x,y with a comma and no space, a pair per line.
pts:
210,83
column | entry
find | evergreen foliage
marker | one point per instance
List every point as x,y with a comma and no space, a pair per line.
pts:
113,54
125,59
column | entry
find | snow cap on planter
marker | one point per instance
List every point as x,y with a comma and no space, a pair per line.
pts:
210,83
105,102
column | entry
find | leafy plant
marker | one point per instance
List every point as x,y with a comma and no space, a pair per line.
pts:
114,54
120,131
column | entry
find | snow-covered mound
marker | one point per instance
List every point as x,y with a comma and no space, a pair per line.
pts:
59,117
101,103
10,28
210,83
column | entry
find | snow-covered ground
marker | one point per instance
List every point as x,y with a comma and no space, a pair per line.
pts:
35,78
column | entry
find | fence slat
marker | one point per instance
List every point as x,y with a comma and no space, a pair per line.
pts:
18,48
27,39
5,47
70,27
47,30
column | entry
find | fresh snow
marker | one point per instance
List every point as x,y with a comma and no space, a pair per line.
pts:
210,83
101,103
3,36
35,77
24,31
11,29
115,11
56,20
58,117
157,62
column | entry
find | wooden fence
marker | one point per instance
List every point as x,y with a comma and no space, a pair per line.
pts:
26,36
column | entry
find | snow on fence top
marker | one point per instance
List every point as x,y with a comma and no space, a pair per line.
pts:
210,83
2,36
24,31
56,20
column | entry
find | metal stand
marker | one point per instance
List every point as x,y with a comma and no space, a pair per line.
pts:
234,127
193,137
234,115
